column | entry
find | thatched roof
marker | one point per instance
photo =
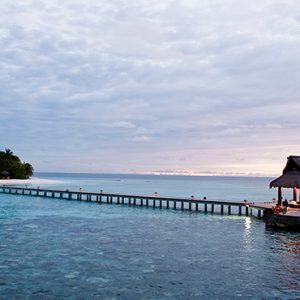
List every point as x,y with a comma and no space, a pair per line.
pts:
287,180
293,164
290,177
4,173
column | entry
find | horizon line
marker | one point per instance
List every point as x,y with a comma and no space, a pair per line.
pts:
161,173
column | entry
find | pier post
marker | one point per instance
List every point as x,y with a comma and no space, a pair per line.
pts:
212,208
141,201
240,210
129,201
197,206
182,205
259,214
222,209
247,211
167,204
134,201
118,200
160,203
174,204
229,209
154,204
190,205
279,196
205,207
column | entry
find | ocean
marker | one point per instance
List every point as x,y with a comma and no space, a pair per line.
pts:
59,249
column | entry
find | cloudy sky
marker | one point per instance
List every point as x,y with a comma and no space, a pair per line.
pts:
186,86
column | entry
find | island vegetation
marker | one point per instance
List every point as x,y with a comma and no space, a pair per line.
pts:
11,166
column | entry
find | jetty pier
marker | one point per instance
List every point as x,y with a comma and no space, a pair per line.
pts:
191,204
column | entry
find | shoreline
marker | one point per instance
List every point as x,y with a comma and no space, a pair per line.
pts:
32,181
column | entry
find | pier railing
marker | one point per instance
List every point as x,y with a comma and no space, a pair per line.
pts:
191,204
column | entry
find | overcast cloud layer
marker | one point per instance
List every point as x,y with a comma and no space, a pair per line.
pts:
185,86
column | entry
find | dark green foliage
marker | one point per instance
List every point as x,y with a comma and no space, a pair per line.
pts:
12,167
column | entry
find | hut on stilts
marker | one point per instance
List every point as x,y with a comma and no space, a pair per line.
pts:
290,178
287,213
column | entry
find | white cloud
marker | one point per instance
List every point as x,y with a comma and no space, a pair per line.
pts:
180,77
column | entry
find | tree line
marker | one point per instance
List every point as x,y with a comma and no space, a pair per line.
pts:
12,167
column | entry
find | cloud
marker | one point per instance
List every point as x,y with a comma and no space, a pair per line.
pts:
189,80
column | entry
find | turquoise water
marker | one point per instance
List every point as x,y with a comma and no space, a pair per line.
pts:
218,188
59,249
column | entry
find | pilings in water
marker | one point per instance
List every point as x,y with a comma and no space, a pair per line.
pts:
190,204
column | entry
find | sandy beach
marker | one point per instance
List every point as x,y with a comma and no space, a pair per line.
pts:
30,181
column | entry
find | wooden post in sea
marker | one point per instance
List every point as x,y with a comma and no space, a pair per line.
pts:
259,214
279,195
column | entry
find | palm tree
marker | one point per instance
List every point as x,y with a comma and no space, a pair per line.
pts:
8,152
28,169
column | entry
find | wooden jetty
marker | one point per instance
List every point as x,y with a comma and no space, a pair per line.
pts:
190,204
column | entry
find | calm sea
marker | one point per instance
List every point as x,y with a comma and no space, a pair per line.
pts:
59,249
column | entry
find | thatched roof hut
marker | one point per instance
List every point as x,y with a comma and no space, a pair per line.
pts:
290,177
4,174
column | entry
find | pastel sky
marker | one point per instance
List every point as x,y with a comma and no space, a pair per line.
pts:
186,86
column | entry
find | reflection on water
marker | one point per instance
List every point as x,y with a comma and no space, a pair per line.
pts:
248,222
293,246
285,247
248,238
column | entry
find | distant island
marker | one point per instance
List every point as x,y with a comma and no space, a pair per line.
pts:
11,166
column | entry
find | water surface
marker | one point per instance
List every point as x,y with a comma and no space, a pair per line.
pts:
60,249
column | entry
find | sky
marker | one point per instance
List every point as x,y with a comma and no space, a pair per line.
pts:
165,87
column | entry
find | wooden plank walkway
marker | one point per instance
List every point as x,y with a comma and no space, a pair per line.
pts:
191,204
